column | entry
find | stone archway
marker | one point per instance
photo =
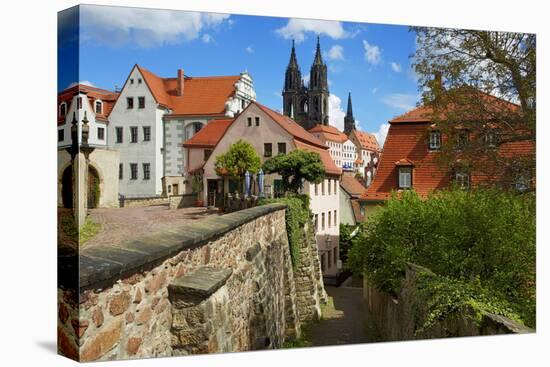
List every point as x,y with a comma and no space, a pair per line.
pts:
67,187
94,191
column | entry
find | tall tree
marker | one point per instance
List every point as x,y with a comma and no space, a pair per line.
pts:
239,158
483,83
295,167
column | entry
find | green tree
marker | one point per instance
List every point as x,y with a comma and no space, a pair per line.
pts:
295,167
469,68
239,158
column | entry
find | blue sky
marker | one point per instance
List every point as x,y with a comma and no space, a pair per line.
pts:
370,60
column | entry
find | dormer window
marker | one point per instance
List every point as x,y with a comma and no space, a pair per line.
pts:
462,179
491,138
98,107
62,109
405,177
139,80
131,80
434,140
462,139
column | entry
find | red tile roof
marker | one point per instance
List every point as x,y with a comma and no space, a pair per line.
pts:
292,127
352,185
201,95
330,167
209,135
329,133
366,140
107,97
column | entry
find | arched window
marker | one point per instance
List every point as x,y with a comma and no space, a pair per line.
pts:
62,109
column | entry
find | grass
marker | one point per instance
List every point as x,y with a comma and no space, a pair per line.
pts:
88,230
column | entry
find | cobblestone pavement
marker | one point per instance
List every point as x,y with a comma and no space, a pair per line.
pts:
345,323
120,224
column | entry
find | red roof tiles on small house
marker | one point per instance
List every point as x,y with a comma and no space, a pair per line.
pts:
209,135
200,95
329,133
366,140
352,185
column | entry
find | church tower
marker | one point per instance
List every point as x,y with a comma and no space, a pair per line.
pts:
349,121
293,86
318,91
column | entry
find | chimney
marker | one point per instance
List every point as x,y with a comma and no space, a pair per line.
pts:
181,79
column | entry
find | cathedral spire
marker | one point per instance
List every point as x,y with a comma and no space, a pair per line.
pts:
349,121
349,112
293,63
318,59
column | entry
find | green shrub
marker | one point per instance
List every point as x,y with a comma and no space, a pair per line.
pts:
297,215
478,235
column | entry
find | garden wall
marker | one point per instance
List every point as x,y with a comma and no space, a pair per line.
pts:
398,317
222,284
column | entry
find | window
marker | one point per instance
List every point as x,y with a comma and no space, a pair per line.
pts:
141,102
119,135
405,177
323,221
129,102
316,223
316,189
268,149
79,103
133,171
146,171
133,134
98,107
249,120
147,133
139,80
120,171
281,148
329,219
60,135
462,138
131,80
329,185
491,139
257,119
335,220
100,133
207,153
435,140
243,105
362,210
323,187
63,109
462,180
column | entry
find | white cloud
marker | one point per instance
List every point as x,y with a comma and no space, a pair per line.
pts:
396,67
401,101
147,28
206,38
335,112
297,28
382,133
83,82
336,52
249,49
374,90
372,53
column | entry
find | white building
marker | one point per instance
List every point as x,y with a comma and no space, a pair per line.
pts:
271,133
368,153
154,116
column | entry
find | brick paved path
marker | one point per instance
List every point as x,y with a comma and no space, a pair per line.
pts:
120,224
346,322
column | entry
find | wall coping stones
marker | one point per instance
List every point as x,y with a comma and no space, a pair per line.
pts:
106,264
198,285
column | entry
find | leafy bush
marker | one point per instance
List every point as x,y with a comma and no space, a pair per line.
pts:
297,215
479,235
295,167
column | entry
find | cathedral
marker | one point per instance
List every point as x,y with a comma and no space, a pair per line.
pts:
308,104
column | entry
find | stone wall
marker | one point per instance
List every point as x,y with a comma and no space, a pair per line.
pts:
143,201
182,201
223,284
397,318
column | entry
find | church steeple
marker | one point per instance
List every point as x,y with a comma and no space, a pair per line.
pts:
293,63
293,84
318,90
349,121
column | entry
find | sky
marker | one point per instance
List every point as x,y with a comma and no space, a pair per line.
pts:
372,61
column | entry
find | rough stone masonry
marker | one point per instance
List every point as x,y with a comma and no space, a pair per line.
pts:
219,285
